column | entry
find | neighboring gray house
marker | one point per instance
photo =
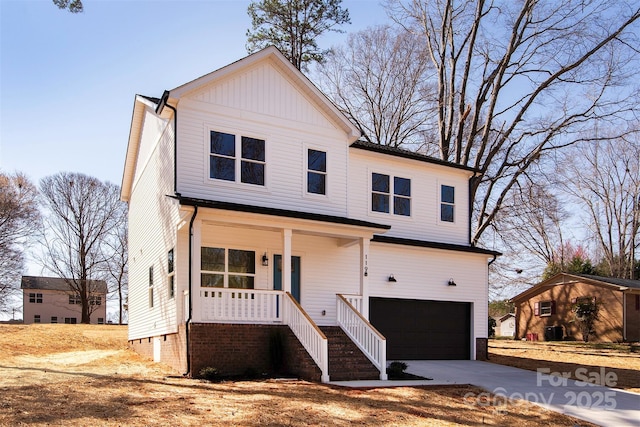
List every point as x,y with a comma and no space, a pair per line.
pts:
254,208
51,300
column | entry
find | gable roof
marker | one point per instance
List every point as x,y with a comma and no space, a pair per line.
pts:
58,284
406,154
173,96
566,279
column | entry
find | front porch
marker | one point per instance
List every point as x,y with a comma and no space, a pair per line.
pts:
230,309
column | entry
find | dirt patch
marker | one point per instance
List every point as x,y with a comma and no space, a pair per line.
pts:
85,375
580,361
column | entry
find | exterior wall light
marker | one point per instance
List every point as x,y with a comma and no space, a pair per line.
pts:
452,283
391,278
265,260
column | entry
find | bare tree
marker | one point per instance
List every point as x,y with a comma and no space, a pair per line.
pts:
19,218
117,256
293,26
517,80
604,178
73,6
380,80
81,214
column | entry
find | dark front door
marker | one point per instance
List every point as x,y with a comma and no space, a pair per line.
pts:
423,330
295,275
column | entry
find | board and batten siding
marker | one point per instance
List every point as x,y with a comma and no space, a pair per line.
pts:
262,103
426,179
152,232
423,273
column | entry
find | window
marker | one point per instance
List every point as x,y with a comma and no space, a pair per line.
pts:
381,190
100,320
172,287
316,172
223,158
54,319
70,320
447,201
75,299
401,196
151,287
35,298
95,300
544,308
36,318
227,268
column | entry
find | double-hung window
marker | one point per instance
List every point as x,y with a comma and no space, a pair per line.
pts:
74,299
383,188
227,268
224,162
171,273
316,171
447,203
151,287
35,298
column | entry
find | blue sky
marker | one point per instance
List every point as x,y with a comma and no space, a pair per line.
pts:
68,81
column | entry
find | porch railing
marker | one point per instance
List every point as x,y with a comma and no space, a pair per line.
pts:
241,305
308,333
372,343
355,301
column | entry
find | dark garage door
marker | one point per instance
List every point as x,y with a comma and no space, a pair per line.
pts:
423,330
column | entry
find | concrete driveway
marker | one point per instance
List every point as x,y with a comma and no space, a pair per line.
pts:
597,404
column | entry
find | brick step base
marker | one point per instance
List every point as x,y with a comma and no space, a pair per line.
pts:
346,361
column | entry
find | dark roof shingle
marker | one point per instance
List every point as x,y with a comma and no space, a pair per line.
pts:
58,284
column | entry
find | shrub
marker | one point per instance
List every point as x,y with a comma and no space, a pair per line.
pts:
396,369
210,374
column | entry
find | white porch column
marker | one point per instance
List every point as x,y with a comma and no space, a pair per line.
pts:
364,276
286,260
196,244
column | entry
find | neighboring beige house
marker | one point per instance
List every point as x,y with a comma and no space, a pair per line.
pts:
254,209
544,312
50,300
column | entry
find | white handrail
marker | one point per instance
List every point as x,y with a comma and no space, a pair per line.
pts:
372,343
241,305
355,301
309,335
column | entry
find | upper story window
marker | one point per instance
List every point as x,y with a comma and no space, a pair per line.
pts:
227,268
224,161
447,203
95,300
75,299
383,188
35,298
316,172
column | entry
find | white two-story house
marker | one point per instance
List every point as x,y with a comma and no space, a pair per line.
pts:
258,219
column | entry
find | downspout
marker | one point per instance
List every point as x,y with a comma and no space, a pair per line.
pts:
163,103
190,284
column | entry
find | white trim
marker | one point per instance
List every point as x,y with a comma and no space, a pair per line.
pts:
386,215
305,169
456,203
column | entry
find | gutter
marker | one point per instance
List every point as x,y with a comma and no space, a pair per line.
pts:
190,286
163,103
471,207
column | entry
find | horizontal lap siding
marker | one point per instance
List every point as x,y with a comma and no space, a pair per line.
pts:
152,219
326,269
424,273
426,179
261,103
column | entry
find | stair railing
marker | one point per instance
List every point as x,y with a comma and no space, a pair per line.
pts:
371,342
308,333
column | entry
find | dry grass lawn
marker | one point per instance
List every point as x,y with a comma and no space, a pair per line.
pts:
621,359
86,376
